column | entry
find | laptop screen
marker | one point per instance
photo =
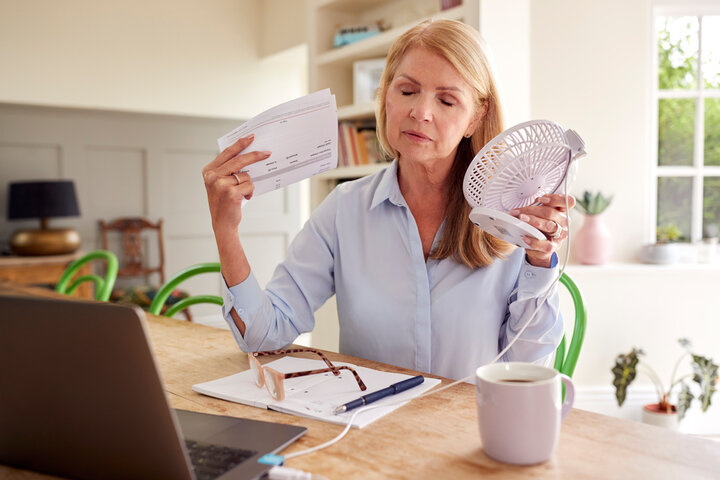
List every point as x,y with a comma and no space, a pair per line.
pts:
82,398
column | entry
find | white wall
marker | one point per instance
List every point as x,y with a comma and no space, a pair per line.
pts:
201,59
161,56
591,70
283,25
501,20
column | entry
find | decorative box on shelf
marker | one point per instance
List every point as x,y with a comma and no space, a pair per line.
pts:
354,33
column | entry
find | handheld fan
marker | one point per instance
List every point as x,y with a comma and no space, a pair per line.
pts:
515,168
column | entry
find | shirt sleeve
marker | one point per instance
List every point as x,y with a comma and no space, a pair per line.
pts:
274,317
545,331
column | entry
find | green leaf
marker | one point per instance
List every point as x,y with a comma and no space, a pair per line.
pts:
685,398
593,203
625,371
669,233
706,375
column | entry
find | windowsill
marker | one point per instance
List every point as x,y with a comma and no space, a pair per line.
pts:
640,267
688,257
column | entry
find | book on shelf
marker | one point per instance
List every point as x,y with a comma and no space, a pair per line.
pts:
358,145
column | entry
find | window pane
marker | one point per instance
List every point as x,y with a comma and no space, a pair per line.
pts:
712,131
676,123
711,206
674,194
677,52
711,51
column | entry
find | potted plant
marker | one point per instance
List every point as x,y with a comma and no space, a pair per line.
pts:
704,378
593,242
669,233
664,250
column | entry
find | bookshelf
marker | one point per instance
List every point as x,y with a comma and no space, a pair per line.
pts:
505,25
333,67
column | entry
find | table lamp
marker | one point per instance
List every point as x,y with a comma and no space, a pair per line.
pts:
43,200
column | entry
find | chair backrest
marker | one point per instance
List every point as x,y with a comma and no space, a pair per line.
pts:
103,286
164,292
133,258
565,362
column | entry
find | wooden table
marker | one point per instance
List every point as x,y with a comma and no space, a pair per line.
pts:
431,438
43,270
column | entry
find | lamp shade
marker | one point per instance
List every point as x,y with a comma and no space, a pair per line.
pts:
42,199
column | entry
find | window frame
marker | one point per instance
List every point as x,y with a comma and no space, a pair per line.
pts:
697,171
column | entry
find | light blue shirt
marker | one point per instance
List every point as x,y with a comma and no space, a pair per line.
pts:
436,316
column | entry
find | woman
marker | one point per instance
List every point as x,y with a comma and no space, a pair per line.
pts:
417,284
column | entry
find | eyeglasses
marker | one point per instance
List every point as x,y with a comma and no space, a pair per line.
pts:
274,381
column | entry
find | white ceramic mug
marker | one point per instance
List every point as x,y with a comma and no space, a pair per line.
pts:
520,409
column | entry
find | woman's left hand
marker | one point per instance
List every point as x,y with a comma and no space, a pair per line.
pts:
550,217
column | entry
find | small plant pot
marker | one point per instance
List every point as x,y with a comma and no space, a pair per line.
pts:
660,253
652,414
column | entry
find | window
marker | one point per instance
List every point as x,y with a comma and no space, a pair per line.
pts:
687,106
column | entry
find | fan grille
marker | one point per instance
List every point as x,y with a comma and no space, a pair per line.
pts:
518,166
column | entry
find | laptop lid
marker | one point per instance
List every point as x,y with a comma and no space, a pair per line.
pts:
80,396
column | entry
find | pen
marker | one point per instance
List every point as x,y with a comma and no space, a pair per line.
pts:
393,389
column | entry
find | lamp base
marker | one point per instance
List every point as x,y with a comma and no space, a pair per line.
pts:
54,241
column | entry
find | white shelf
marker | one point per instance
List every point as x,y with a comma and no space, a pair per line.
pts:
349,5
356,112
378,45
643,267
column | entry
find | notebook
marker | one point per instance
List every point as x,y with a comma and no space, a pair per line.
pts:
316,396
81,397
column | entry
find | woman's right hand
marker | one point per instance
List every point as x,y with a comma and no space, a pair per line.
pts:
225,188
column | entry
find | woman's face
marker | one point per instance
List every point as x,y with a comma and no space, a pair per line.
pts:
429,108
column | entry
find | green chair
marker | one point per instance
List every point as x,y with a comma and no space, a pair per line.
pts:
103,286
565,361
164,292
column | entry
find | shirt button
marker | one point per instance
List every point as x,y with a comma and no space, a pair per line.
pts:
529,275
240,311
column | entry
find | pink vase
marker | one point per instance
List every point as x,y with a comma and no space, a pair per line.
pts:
593,243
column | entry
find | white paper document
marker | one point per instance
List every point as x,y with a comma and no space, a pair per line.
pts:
315,396
302,135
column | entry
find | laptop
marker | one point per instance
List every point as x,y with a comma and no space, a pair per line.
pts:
81,397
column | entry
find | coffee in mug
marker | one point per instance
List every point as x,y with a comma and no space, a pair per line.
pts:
520,409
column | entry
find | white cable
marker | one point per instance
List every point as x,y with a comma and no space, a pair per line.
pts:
287,473
466,379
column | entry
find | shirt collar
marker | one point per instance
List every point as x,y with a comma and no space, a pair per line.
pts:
388,188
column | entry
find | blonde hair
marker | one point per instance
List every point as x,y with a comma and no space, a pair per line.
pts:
462,46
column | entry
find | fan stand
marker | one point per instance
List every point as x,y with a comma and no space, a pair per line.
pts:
504,226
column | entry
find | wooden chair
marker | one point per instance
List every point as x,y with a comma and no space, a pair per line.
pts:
134,261
103,286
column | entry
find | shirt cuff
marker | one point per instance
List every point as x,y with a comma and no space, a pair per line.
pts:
246,297
553,260
536,280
